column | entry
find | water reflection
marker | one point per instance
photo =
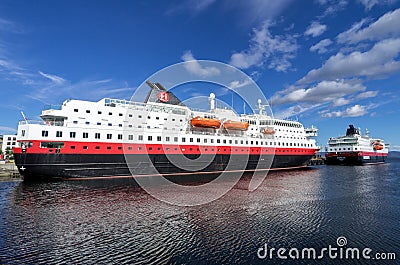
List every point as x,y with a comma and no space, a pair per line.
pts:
116,222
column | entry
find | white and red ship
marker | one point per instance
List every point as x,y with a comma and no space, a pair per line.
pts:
82,139
356,149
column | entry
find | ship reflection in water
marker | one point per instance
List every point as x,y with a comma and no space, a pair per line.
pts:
117,222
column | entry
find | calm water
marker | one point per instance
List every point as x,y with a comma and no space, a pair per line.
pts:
116,222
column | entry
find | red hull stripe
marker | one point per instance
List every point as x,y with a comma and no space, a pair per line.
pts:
119,148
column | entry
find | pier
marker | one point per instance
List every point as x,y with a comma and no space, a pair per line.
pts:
8,171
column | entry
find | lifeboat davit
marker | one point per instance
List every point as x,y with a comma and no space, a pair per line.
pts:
268,131
205,122
236,125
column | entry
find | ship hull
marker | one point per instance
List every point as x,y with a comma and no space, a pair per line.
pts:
355,159
78,166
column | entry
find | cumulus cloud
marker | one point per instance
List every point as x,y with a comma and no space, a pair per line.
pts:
320,47
385,27
354,111
333,6
340,102
379,60
265,48
194,67
315,29
324,91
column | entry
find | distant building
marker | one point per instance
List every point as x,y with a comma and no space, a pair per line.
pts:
9,140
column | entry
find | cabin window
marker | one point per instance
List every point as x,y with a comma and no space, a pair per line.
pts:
159,138
72,146
191,140
72,134
110,113
45,133
110,124
52,145
108,147
140,116
230,141
175,139
99,123
23,132
87,123
183,139
97,135
218,141
167,139
109,136
130,137
75,110
119,136
150,138
148,117
59,134
97,147
87,111
99,112
224,141
251,142
212,141
119,147
85,135
157,118
120,114
130,115
198,140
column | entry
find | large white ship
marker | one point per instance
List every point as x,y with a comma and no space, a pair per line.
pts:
356,149
81,139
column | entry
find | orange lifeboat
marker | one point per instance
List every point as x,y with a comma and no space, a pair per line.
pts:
236,125
378,146
205,122
268,131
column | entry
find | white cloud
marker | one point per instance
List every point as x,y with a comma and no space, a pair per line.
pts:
333,6
367,94
238,84
395,148
315,29
369,4
194,67
296,110
387,26
320,47
56,79
7,129
265,48
379,60
340,102
324,91
354,111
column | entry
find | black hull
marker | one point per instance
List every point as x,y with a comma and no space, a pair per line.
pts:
354,160
67,166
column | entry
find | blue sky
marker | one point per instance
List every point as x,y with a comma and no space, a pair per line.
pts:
328,63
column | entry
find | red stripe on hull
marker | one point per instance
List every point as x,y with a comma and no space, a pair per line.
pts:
127,148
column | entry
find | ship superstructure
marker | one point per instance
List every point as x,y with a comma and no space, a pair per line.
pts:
356,148
94,139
